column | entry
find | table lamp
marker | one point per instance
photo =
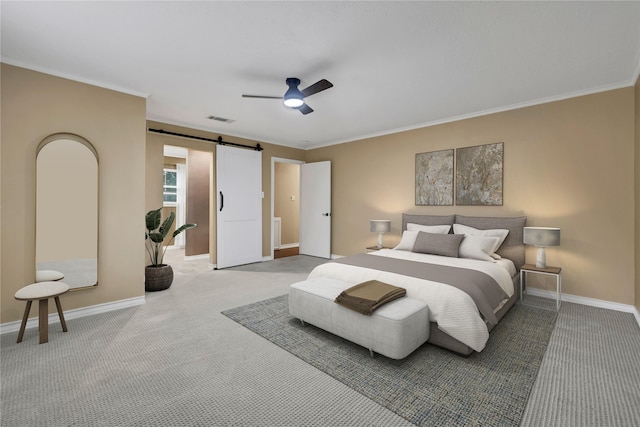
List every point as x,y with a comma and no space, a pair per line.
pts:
380,226
541,237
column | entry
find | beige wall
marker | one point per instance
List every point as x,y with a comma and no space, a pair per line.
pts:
567,164
286,187
156,142
637,193
35,105
199,171
154,169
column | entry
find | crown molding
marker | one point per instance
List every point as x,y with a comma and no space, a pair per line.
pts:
75,78
511,107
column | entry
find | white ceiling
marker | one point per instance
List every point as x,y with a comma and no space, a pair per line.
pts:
394,65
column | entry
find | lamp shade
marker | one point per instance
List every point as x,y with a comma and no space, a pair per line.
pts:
380,225
541,236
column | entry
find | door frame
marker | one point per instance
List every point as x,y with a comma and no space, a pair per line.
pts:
275,160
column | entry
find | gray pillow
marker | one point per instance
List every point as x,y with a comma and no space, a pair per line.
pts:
438,244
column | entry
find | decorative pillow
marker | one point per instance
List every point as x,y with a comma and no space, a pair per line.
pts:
437,229
407,241
438,244
478,247
470,231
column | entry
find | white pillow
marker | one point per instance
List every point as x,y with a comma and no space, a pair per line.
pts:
407,241
477,247
436,229
470,231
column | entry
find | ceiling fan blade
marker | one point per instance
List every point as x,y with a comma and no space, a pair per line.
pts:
317,87
305,109
261,96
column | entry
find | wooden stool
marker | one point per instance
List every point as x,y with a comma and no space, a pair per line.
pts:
42,291
48,276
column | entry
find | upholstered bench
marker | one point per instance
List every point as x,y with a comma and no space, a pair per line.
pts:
394,330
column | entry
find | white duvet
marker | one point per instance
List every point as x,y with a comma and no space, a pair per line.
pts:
452,309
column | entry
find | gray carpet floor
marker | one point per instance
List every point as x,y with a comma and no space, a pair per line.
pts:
177,361
590,375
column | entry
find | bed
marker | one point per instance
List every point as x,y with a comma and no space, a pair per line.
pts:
482,287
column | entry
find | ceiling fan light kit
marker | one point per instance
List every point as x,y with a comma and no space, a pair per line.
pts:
294,97
293,102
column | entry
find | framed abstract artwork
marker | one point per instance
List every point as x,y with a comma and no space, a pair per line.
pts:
479,172
434,178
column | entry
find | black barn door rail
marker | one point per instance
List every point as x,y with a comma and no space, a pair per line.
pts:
201,138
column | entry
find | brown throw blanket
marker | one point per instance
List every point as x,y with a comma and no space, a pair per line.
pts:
367,296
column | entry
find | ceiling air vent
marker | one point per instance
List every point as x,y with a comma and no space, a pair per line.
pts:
220,119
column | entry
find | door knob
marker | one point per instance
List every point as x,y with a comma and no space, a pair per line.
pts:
327,214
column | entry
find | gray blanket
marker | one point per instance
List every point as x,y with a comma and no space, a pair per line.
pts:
482,288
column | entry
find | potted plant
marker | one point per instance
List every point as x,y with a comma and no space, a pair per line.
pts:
159,276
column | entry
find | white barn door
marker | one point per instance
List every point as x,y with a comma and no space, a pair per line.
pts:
315,209
239,206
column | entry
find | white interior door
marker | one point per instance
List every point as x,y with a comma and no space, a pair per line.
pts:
315,209
239,206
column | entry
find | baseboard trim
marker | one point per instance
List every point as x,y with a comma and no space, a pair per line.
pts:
76,313
592,302
288,245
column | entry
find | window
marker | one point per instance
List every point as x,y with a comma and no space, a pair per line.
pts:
170,187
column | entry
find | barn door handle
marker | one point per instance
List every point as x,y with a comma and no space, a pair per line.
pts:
221,201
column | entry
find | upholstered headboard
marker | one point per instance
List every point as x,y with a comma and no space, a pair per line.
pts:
427,220
512,247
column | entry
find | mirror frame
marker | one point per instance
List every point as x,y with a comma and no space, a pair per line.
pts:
76,138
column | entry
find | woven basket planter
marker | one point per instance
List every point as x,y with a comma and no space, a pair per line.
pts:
157,277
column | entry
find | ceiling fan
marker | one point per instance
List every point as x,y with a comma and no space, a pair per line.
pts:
294,97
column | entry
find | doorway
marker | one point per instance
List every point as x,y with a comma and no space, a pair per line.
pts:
186,192
285,207
313,210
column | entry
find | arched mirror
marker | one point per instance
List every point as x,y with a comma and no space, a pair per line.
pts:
67,209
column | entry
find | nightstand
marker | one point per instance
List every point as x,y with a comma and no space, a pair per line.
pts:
375,248
549,271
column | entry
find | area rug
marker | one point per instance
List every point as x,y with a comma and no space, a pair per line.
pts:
432,386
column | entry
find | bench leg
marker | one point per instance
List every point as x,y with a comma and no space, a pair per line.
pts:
43,320
23,325
60,315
